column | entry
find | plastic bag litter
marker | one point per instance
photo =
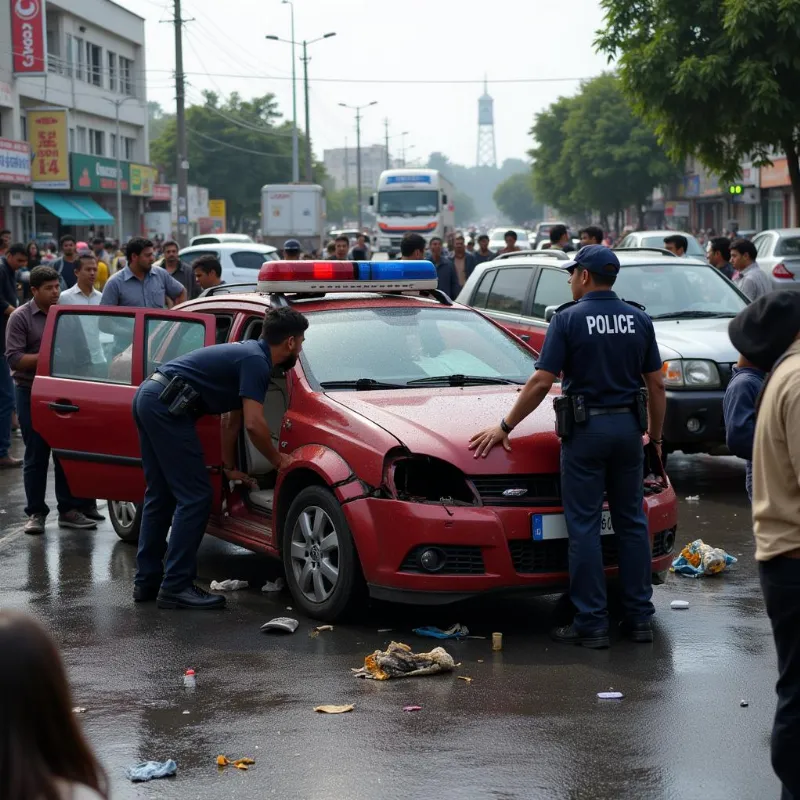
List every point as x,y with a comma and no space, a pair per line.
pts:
334,709
278,585
457,631
281,625
239,763
148,770
230,585
698,559
398,661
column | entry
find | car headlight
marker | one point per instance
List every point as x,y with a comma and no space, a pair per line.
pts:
690,373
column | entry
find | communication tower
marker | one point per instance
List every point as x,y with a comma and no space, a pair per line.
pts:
487,155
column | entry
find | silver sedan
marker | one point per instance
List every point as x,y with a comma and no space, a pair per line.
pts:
778,254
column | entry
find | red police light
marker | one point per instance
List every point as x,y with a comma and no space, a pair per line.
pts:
308,271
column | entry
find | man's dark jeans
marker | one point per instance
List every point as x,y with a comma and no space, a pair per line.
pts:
780,582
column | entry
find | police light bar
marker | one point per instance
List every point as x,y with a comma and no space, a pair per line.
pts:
346,276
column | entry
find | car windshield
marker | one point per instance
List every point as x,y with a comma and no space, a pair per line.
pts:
693,248
412,202
499,237
788,246
398,345
680,290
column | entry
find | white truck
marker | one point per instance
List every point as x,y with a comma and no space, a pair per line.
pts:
293,211
412,200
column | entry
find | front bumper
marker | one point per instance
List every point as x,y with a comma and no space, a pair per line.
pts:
488,548
703,406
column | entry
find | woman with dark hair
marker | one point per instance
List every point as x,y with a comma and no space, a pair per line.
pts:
43,753
34,256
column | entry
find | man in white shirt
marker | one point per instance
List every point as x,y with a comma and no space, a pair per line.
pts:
83,293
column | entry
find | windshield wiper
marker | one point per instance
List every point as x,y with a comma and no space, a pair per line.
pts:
460,380
694,315
361,385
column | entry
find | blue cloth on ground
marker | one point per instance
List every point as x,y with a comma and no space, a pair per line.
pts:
148,770
456,632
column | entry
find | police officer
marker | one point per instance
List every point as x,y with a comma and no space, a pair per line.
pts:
222,379
603,346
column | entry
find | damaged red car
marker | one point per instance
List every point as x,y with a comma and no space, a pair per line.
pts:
382,495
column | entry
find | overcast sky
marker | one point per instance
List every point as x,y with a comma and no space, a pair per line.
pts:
379,42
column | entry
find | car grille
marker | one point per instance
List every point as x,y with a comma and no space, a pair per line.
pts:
540,489
725,373
552,555
459,560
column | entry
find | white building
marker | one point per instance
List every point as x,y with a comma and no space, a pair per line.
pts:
341,165
95,68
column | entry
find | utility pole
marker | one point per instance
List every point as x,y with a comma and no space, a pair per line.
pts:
117,104
295,143
183,160
346,165
358,110
309,171
386,136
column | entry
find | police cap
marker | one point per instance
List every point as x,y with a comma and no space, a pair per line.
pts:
596,258
292,244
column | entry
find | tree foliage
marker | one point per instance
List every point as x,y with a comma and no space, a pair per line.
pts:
465,208
514,197
342,206
717,80
235,147
593,152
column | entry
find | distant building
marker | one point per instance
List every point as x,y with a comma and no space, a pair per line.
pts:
340,163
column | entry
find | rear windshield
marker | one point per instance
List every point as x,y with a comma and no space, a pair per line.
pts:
693,249
790,246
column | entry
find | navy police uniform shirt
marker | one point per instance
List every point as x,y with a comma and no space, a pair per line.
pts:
223,374
603,345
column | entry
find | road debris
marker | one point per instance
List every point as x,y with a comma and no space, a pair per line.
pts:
384,630
189,679
239,763
333,709
695,498
398,661
278,585
412,708
610,695
457,631
465,678
149,770
230,585
184,712
79,710
497,641
698,559
679,604
744,704
281,625
319,629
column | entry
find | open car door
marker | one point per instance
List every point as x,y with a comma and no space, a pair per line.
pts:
91,362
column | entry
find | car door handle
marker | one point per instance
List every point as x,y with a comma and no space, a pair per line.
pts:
525,337
63,406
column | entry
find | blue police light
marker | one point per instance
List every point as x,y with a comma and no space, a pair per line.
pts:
347,276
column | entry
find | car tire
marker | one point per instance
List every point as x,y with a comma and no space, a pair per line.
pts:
316,543
126,519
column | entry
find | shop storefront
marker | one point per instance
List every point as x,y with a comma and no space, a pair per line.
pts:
777,206
15,171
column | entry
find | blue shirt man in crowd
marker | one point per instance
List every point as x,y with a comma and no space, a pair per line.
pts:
604,347
222,379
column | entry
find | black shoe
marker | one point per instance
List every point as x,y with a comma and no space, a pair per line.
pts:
637,631
144,593
569,634
190,597
92,513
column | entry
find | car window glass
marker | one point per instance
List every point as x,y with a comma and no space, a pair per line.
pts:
247,259
223,328
552,289
93,347
508,290
788,246
190,258
169,339
482,292
762,245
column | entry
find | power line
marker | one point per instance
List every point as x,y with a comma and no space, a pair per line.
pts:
236,147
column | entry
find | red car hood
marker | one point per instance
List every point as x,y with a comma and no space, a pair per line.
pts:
440,422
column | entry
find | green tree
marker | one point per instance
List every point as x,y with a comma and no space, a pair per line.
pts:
595,153
157,120
514,197
342,205
718,80
465,208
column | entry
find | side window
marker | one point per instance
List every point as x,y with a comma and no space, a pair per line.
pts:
93,347
247,259
482,292
190,258
168,339
508,290
763,245
551,290
223,328
626,242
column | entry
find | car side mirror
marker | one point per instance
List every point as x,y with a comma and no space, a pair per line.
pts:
444,199
372,199
550,312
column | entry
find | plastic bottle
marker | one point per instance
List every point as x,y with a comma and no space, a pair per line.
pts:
189,680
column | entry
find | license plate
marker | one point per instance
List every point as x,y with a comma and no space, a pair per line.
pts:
554,526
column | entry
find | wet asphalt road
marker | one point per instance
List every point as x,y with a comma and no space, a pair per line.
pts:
527,726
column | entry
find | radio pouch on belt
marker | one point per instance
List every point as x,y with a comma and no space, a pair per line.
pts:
170,392
565,418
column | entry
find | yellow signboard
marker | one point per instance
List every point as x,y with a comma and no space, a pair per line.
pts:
143,179
216,208
47,136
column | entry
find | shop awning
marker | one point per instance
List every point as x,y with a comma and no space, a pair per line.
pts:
73,209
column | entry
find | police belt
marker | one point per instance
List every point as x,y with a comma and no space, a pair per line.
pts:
596,412
159,377
181,398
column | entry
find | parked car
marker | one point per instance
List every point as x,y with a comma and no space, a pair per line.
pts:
543,231
220,238
240,261
497,240
690,303
778,254
656,239
382,494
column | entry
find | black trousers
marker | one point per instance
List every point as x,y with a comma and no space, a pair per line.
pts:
780,582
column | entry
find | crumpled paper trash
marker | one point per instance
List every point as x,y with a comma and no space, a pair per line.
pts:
148,770
239,763
230,585
398,661
698,559
278,585
457,631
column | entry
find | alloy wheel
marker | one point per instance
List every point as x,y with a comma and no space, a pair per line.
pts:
315,554
124,513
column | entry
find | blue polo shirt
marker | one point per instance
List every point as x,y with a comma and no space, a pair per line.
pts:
223,374
125,289
603,345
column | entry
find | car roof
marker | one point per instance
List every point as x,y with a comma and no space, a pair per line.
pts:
635,258
662,233
783,231
253,247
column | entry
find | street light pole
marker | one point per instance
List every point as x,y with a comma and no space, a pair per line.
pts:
309,175
295,143
117,104
358,110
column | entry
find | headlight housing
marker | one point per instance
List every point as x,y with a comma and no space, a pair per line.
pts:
425,479
691,373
